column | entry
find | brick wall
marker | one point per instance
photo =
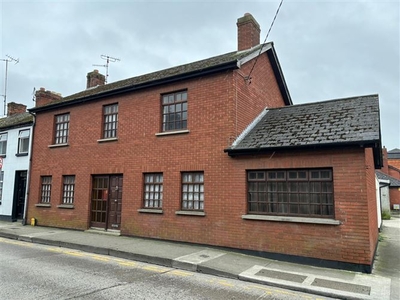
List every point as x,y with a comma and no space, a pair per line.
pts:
214,104
394,194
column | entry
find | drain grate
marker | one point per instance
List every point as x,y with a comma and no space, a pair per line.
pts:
342,286
281,275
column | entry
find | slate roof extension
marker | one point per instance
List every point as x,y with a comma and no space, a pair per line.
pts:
340,122
227,61
15,121
394,182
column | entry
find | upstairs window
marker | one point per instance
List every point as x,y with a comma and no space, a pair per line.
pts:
3,143
62,129
174,108
68,189
307,193
110,121
23,141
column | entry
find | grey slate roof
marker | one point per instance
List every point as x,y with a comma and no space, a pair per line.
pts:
228,60
394,182
336,122
16,120
394,154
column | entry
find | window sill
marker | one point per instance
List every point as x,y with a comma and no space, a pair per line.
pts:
3,155
172,132
21,154
66,206
292,219
150,211
58,145
107,140
190,213
43,205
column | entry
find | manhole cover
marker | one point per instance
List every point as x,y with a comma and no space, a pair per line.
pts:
282,275
342,286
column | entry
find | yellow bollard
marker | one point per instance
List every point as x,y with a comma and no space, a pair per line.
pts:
33,222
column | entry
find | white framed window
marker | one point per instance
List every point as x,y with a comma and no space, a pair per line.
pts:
23,141
3,143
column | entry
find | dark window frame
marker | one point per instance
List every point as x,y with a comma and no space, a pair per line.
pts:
153,188
192,191
68,190
45,195
174,111
110,121
294,192
61,128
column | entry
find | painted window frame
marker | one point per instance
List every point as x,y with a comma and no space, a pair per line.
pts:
291,192
3,143
174,111
23,141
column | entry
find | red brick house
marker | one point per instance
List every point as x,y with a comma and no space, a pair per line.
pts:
205,153
391,172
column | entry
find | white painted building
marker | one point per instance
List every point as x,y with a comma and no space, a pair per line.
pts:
15,147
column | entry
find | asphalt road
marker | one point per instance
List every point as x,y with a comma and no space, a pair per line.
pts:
31,271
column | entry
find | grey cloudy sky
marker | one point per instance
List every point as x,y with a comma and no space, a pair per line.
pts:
327,49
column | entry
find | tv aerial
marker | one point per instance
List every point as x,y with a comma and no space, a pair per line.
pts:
108,59
7,60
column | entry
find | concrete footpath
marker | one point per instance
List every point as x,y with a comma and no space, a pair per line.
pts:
382,284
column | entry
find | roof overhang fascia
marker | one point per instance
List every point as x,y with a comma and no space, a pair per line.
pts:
118,91
260,151
16,126
276,67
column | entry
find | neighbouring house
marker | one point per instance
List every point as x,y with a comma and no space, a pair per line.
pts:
390,173
208,153
15,143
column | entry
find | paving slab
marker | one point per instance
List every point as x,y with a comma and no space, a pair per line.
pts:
361,287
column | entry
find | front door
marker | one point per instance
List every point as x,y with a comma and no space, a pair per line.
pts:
19,195
106,202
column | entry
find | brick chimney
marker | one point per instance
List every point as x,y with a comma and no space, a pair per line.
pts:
15,108
44,97
94,79
248,32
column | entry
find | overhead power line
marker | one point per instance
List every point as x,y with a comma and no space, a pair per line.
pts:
266,37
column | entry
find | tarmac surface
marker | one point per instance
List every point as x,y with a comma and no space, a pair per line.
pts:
383,283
